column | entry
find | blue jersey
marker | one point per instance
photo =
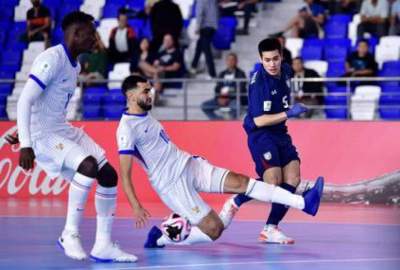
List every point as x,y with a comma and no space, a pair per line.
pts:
268,95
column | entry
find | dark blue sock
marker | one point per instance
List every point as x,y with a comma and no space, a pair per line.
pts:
242,198
278,211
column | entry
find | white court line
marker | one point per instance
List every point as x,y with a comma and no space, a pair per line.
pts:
185,266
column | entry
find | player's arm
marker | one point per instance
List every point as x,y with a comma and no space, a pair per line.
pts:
270,119
140,213
32,90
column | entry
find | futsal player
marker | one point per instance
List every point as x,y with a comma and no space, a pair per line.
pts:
271,147
60,148
177,176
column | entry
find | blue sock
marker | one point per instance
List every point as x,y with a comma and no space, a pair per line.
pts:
278,211
241,198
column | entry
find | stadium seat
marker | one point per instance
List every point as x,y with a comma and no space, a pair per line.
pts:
389,106
319,66
294,45
113,112
91,112
352,33
335,50
114,98
338,109
137,25
225,33
138,5
336,26
104,29
364,102
111,10
312,49
387,50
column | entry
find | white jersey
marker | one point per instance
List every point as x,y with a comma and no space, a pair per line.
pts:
144,137
57,73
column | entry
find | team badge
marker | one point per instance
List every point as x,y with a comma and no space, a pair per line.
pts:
268,156
123,141
267,105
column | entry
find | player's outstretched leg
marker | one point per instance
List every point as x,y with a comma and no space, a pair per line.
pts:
104,250
209,229
309,202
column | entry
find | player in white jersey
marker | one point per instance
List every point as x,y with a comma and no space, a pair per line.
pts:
178,176
60,148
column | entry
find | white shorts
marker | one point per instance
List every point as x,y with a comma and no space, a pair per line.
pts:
51,151
182,197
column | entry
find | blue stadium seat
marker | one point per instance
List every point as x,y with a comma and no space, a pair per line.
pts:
339,112
111,10
393,112
114,98
137,25
6,89
312,49
135,4
335,50
113,112
3,112
6,13
390,89
92,112
116,2
9,3
336,28
11,58
389,73
53,3
394,65
225,33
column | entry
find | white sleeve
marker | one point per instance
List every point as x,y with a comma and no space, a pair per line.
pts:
44,69
363,9
384,10
125,141
32,90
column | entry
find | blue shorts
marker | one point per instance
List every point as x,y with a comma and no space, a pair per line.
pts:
271,150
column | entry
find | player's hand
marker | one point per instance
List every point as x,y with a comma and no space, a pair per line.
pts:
12,139
26,158
141,216
296,110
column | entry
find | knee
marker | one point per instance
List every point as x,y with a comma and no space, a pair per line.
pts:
272,179
88,167
215,228
107,176
239,184
293,179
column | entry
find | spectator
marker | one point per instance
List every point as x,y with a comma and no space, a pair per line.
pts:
395,19
226,91
308,93
165,18
248,7
341,6
94,65
373,18
38,23
207,24
144,60
361,63
287,55
309,20
123,40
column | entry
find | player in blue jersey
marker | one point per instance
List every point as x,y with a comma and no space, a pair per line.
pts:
271,147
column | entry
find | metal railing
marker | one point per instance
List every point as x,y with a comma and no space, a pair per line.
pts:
186,83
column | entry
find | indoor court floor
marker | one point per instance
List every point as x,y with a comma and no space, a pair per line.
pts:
340,237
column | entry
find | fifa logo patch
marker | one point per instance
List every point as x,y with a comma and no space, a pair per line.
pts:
60,146
267,105
268,156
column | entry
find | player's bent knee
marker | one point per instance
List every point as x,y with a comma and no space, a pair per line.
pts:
88,167
236,183
293,180
107,176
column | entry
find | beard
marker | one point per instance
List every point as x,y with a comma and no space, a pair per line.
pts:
144,106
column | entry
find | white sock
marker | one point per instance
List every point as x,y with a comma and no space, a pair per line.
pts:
270,193
195,236
77,196
105,201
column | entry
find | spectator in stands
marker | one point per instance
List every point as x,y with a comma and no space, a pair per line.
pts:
123,40
226,91
395,19
287,55
309,20
165,18
38,23
341,6
308,93
361,63
248,7
94,65
373,18
207,24
143,62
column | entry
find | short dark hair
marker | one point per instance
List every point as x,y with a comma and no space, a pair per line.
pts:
131,82
76,17
363,40
269,44
298,58
122,11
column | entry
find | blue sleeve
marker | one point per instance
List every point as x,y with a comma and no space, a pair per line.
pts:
256,98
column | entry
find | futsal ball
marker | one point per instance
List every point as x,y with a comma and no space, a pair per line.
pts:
176,227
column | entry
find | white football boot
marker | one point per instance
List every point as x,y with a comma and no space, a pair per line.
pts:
228,212
71,243
272,235
111,252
